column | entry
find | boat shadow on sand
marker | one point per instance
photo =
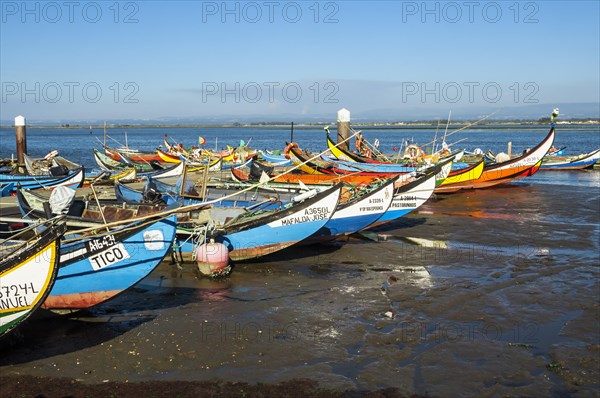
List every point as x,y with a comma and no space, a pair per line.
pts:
295,252
47,334
401,223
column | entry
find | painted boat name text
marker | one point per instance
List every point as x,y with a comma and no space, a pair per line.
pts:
17,290
310,214
99,244
108,257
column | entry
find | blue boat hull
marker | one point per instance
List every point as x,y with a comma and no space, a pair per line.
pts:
583,162
126,194
72,180
280,229
357,215
6,189
279,160
95,270
408,198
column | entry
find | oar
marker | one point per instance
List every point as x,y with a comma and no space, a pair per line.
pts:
435,137
99,207
467,126
447,124
454,143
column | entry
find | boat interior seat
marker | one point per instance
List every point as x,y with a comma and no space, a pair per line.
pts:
93,215
117,214
143,210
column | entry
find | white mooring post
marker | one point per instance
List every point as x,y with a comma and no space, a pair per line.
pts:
343,127
21,136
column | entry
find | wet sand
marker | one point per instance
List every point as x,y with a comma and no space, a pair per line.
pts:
488,293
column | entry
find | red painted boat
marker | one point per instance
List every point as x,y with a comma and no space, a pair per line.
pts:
132,154
503,172
308,179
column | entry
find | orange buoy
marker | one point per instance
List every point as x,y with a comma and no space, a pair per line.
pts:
213,259
288,148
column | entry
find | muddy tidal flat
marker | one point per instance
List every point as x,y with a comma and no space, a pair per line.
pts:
489,293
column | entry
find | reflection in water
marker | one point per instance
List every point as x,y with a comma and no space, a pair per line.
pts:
417,276
435,244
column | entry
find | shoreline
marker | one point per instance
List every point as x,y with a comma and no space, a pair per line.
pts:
367,126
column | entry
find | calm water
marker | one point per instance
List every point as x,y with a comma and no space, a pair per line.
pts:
77,144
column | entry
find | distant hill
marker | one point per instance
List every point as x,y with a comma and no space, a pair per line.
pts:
401,114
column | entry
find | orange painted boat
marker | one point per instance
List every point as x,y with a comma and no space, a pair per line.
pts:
503,172
168,157
315,166
458,177
309,179
132,154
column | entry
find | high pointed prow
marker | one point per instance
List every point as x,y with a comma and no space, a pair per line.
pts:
555,113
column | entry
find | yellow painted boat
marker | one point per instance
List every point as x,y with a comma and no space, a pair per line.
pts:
472,172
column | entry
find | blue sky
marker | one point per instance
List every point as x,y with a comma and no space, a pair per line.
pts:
152,59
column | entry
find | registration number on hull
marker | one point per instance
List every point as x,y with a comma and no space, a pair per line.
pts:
109,256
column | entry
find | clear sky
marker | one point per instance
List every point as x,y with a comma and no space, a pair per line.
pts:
72,60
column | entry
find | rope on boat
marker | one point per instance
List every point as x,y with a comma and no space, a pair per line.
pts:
33,227
198,236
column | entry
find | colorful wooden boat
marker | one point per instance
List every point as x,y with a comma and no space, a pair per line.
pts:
369,204
238,155
363,169
74,179
6,189
500,173
52,165
353,167
573,163
346,155
194,154
173,171
214,164
144,169
308,179
278,160
127,175
28,271
102,264
251,235
457,177
556,152
83,210
342,153
311,165
409,197
167,157
351,162
163,193
134,155
106,163
248,233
